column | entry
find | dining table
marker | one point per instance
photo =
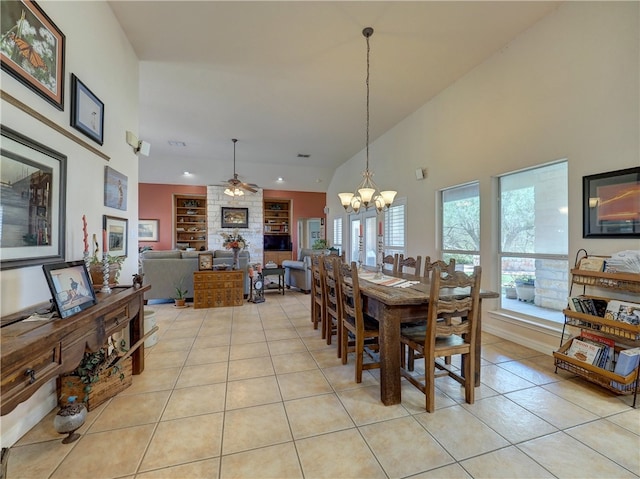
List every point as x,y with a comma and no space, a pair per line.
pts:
397,298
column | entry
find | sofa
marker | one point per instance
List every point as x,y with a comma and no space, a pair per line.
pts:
163,270
297,273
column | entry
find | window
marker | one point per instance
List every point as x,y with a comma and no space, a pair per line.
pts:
337,234
364,225
460,220
395,228
534,240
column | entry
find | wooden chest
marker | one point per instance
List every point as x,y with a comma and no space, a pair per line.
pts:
213,289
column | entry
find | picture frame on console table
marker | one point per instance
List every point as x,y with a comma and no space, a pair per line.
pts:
611,204
235,217
33,49
205,261
117,235
33,197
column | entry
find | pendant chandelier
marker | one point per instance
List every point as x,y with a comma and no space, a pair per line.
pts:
232,189
367,193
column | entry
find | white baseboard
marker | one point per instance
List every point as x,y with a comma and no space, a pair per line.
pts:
541,337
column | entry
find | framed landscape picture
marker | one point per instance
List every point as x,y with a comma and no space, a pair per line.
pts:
235,217
87,111
611,204
147,230
117,234
32,196
32,49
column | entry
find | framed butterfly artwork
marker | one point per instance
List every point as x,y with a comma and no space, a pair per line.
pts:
32,49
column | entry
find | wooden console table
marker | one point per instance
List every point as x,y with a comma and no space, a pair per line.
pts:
214,289
34,352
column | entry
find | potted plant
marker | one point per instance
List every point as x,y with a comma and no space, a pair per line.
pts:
525,288
180,297
320,244
96,267
510,290
96,270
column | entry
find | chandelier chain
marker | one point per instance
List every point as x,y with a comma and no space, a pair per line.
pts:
367,82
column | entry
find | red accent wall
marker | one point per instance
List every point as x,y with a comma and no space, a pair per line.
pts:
156,202
303,205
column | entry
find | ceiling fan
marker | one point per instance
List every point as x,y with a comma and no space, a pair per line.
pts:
235,187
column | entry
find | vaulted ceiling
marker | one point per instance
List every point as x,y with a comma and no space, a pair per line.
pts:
288,79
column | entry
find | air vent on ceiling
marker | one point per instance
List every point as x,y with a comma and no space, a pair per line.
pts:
302,155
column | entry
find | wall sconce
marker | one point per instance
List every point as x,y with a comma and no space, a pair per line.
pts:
138,146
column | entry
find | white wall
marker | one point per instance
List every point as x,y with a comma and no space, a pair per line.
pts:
100,55
566,88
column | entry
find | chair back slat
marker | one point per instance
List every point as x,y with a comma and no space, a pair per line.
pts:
442,305
410,262
331,319
351,301
390,262
428,266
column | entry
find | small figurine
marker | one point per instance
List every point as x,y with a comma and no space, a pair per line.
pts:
137,280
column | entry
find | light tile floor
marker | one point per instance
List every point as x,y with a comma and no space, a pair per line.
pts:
254,392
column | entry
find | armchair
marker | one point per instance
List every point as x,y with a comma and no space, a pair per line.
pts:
297,274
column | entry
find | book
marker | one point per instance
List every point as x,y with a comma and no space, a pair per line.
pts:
592,263
628,360
574,304
583,351
608,348
626,363
624,311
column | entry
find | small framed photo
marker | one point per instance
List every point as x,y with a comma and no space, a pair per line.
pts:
117,234
611,204
205,261
87,111
148,230
235,217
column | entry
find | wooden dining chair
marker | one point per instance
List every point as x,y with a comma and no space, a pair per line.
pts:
331,319
414,264
359,332
450,267
317,300
428,266
390,263
437,339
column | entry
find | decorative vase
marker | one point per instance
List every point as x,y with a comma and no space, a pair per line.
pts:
236,258
69,419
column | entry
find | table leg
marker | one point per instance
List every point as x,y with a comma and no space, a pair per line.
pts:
389,321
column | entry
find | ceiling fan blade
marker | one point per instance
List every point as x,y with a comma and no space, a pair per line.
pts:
248,187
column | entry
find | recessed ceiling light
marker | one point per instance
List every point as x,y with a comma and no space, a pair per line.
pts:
179,144
280,178
186,173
